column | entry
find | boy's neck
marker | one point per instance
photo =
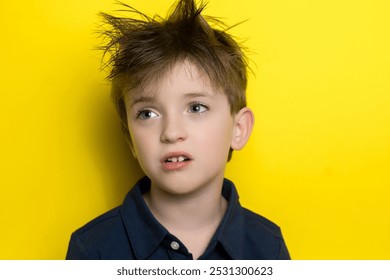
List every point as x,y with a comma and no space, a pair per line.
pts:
189,210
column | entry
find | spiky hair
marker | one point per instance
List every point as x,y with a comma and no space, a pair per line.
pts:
141,48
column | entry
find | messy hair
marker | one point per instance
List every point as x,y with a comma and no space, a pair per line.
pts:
141,48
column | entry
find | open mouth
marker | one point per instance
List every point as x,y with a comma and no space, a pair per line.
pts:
177,159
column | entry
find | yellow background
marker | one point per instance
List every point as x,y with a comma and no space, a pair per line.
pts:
318,163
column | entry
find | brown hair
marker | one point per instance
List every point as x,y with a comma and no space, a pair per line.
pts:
140,49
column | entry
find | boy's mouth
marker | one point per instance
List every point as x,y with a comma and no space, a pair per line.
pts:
175,161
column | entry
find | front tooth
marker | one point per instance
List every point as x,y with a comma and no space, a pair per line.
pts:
181,158
174,159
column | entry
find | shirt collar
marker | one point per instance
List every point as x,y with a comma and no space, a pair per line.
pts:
146,233
231,231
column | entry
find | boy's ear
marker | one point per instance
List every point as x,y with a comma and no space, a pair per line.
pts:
131,145
132,149
243,125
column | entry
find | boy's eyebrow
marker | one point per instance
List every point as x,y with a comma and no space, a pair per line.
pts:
196,94
148,99
140,99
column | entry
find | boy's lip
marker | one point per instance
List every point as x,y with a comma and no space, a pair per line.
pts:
174,161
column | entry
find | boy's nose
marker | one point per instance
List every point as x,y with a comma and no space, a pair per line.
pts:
173,130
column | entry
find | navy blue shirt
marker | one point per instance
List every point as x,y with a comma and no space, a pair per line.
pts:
131,232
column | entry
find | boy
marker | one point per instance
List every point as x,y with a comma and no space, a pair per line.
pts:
179,87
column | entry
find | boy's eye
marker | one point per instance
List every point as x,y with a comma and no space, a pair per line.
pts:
146,114
197,108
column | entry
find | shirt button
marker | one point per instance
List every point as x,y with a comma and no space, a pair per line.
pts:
175,245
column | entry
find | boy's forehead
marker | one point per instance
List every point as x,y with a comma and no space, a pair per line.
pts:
153,86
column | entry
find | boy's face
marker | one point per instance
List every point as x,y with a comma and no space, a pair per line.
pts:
181,129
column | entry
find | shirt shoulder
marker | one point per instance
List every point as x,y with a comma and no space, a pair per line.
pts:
263,238
112,216
100,238
255,222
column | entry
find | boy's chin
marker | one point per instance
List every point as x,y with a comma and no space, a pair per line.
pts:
179,186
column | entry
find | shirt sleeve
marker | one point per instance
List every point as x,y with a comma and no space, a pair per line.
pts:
283,251
76,249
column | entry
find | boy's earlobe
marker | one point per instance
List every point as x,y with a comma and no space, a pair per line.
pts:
133,150
131,145
243,125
